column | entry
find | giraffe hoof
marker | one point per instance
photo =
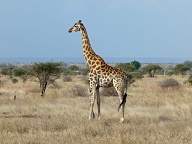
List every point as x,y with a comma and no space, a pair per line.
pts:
122,120
92,116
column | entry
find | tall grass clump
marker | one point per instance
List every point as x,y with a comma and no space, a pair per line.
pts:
67,78
77,90
169,83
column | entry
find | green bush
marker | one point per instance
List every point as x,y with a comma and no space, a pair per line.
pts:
136,64
137,75
14,80
181,69
126,67
7,71
18,72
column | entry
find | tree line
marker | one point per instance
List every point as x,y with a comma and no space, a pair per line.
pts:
48,72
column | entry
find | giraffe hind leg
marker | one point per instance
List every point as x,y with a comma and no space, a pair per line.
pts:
123,101
122,98
123,107
98,102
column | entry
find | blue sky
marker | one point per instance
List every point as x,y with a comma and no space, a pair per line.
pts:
116,28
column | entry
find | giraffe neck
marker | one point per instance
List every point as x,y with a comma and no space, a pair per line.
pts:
87,49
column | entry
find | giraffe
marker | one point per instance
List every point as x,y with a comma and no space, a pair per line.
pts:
101,74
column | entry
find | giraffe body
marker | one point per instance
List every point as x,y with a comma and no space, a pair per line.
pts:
101,74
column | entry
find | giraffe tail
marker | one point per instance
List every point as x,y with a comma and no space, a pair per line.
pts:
123,101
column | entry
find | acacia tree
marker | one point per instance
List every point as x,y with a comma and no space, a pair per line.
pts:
46,72
150,69
181,69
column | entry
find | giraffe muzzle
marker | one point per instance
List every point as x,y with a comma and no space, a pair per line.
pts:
69,31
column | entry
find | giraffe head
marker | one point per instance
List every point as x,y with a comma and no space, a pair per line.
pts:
77,27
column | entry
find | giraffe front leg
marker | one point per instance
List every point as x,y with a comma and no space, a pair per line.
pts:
92,101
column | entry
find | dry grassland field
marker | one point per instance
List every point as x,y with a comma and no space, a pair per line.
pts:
152,115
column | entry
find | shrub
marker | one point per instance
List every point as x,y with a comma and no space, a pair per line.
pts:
18,72
73,68
67,78
109,91
133,76
126,67
189,80
169,83
7,71
170,73
84,71
14,80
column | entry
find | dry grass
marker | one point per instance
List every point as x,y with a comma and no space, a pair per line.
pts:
153,114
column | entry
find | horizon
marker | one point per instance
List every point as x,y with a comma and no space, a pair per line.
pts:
82,60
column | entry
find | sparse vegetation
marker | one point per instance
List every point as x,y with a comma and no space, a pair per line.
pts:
152,114
14,73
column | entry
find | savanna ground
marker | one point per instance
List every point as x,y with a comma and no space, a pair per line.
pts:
152,114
